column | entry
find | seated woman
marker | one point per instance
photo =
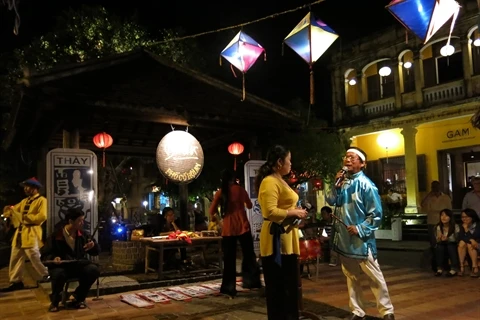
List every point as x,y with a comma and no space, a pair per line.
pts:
468,239
446,234
66,252
171,225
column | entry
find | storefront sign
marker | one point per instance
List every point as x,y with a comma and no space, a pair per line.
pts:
71,183
459,134
180,157
254,215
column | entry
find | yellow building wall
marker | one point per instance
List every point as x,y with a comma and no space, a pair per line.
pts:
431,137
352,91
427,53
442,135
369,144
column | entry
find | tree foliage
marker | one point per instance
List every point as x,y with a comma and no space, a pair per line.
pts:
316,149
92,33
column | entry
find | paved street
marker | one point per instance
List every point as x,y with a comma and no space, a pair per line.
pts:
416,295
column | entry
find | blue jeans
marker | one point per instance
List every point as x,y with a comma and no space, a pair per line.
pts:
447,250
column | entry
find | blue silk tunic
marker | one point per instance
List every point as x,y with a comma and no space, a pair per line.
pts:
358,203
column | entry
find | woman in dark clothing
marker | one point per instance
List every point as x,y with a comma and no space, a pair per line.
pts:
468,240
232,199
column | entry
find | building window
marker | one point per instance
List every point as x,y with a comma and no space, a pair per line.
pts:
438,69
476,59
373,87
408,80
390,174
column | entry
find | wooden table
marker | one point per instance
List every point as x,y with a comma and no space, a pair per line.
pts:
160,245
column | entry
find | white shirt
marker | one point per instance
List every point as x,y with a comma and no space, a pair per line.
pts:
395,197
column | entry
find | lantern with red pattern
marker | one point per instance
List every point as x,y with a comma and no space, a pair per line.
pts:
103,141
235,149
317,184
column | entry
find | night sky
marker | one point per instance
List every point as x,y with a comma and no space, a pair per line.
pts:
279,79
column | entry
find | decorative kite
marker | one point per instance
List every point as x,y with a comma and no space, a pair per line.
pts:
425,17
242,52
310,39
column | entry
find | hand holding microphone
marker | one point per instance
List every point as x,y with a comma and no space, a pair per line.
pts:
340,177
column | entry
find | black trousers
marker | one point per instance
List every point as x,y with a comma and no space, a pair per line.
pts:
86,274
250,269
281,287
445,251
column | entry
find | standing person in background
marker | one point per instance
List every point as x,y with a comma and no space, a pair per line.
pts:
279,239
359,206
326,223
472,198
27,216
432,205
232,199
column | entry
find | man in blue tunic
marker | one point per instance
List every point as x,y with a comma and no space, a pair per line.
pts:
359,207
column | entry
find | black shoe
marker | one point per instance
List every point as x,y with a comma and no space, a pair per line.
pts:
355,317
389,316
44,279
13,287
438,273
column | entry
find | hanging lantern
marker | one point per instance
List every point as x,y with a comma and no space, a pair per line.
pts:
317,184
424,17
235,149
310,39
103,141
242,52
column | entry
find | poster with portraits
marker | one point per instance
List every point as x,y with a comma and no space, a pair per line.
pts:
71,183
255,214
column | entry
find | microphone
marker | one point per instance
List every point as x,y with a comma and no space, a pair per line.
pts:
340,179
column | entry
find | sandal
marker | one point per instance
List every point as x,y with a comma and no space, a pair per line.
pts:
474,273
460,273
74,304
53,308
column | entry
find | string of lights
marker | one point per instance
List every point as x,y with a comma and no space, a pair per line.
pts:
272,16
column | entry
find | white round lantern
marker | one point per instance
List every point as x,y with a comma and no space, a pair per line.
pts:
447,50
385,71
180,157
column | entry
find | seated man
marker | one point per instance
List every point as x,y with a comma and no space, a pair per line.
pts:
65,254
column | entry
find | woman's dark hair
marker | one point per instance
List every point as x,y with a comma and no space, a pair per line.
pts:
451,224
73,214
165,211
471,213
274,154
227,179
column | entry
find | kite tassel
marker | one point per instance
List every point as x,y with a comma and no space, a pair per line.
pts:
243,87
220,60
264,55
283,46
312,87
233,70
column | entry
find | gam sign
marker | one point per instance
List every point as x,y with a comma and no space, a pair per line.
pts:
180,157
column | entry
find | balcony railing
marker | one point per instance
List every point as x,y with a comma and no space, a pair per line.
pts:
380,106
444,92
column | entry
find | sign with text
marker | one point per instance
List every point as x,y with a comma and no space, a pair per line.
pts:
254,215
458,134
71,183
180,157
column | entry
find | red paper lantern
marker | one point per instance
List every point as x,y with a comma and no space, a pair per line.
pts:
317,184
235,149
103,141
